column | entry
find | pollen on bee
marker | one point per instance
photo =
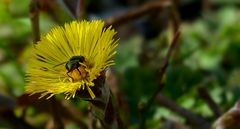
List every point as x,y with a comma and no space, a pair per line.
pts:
78,74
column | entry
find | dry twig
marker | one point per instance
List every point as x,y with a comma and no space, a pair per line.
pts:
159,77
81,9
140,11
203,93
192,118
34,16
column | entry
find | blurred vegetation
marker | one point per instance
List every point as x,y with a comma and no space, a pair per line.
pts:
207,57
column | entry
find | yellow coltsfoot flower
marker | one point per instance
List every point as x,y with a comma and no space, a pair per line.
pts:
70,58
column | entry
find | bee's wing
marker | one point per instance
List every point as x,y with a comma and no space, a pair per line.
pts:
59,64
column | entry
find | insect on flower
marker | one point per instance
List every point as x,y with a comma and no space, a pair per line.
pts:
70,58
74,63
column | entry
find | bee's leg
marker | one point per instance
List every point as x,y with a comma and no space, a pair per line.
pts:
70,76
79,71
82,64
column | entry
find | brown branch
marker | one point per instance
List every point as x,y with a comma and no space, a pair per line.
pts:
169,54
192,118
162,71
175,18
81,9
203,93
34,16
135,13
164,66
68,111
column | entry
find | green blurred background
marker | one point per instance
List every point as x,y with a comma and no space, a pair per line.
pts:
207,57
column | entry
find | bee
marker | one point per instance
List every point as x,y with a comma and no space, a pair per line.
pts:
74,63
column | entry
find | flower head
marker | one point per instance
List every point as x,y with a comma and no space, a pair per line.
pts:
70,58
